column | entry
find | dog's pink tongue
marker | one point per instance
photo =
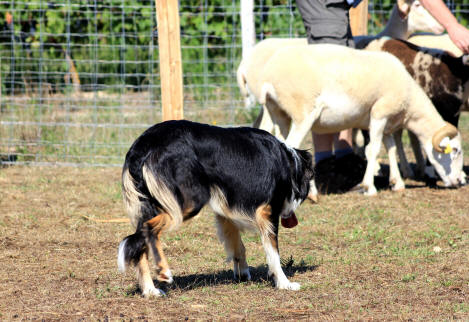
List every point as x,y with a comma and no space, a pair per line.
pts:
289,222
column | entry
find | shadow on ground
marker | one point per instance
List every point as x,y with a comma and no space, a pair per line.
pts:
259,275
382,181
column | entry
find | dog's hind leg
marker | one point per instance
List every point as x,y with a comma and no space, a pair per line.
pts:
133,249
144,278
154,228
230,237
269,232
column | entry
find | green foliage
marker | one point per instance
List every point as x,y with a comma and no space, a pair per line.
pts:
107,38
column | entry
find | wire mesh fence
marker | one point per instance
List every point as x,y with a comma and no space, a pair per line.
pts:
80,79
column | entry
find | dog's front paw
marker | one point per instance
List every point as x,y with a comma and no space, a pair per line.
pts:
289,286
153,292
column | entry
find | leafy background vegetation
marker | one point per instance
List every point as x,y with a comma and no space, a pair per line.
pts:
43,32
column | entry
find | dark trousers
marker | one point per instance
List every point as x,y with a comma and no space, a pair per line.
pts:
326,21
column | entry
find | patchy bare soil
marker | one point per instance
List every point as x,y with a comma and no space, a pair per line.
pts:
397,256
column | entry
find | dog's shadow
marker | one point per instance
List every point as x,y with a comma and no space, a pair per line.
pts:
259,275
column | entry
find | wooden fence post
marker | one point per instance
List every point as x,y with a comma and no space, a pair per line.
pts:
169,44
359,19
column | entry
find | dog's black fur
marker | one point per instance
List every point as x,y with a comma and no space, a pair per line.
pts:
248,167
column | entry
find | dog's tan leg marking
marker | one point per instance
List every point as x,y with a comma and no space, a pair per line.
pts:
230,237
186,213
270,243
157,225
144,278
263,214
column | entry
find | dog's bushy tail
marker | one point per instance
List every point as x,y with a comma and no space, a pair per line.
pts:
135,201
139,209
132,197
131,248
161,192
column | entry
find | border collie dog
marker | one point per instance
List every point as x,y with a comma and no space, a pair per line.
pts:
248,177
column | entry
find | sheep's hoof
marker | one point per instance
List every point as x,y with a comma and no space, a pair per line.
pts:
371,191
313,197
398,186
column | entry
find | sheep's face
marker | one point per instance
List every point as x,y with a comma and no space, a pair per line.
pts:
449,163
419,19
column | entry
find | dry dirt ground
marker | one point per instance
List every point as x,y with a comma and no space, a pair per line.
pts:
397,256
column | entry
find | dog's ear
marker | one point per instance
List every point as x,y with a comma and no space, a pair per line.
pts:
307,163
306,173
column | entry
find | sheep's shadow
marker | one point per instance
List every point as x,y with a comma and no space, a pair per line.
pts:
382,181
259,275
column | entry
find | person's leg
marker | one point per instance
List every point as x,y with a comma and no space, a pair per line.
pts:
322,146
343,143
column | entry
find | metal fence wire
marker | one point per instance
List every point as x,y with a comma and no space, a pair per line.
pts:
80,79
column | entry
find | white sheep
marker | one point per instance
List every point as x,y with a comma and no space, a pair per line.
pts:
327,88
443,77
248,76
417,19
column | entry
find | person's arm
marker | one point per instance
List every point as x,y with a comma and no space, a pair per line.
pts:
457,32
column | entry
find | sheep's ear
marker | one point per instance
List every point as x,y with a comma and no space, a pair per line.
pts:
404,8
445,145
455,145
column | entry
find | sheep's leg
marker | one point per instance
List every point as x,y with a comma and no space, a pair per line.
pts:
313,191
371,151
296,135
274,120
404,166
281,122
358,142
264,120
299,129
395,178
419,158
258,120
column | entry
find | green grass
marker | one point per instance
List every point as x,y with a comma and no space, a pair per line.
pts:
357,258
